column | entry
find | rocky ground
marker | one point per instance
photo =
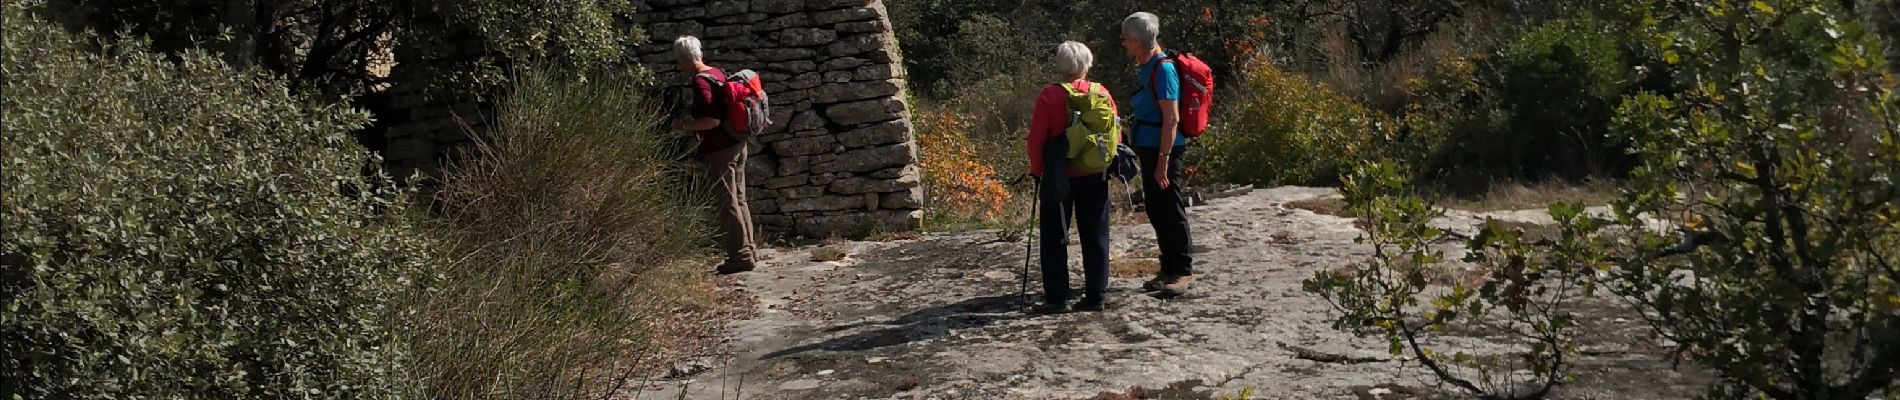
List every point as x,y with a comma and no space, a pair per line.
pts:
939,317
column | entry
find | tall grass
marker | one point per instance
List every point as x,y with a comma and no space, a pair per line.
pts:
575,237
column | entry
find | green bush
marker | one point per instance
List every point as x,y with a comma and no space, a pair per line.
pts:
177,229
1561,81
577,242
1278,127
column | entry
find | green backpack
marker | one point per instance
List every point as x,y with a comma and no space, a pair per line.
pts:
1093,132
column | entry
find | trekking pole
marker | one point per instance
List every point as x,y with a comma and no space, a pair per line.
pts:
1029,238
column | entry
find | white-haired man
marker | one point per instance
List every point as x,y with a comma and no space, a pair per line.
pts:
1159,144
722,154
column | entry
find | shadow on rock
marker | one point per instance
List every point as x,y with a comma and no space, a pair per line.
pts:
922,324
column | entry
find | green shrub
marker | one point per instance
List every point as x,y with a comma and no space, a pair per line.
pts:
1278,127
177,229
577,241
1560,81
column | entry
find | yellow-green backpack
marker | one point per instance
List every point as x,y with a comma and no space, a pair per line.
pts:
1092,131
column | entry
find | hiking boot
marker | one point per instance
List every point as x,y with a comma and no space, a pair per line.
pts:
1154,284
1176,287
1092,305
1050,308
736,266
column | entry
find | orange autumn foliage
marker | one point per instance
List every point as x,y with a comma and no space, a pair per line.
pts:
959,184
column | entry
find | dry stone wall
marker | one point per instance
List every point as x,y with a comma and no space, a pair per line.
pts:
841,156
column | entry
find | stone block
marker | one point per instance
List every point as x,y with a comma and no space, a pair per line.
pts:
806,80
893,173
867,111
838,76
795,166
893,131
747,18
778,6
807,120
872,26
803,37
726,31
781,55
843,63
821,203
804,146
688,13
850,91
725,8
794,67
910,199
827,18
800,192
792,96
869,159
858,44
676,29
861,185
783,22
786,181
875,72
871,201
830,4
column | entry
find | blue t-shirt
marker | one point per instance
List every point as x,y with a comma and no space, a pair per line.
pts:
1167,86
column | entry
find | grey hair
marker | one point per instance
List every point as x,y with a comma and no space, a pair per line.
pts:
1143,26
687,47
1073,59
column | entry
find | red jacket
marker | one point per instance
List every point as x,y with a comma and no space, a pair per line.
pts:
1050,119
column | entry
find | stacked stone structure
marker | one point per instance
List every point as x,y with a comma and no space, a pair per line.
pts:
841,156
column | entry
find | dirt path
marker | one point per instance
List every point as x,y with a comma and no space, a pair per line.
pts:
939,318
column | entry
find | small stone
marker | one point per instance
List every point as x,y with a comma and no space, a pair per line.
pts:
875,72
825,372
837,76
806,81
801,37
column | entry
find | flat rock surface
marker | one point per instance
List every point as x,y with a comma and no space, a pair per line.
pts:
939,317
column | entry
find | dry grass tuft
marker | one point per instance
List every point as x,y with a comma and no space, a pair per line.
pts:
1504,196
1133,267
828,253
1321,205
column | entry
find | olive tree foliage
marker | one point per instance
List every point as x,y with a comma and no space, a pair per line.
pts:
1521,287
1779,162
176,229
343,47
1759,231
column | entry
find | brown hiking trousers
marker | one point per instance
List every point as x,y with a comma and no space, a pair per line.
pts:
724,173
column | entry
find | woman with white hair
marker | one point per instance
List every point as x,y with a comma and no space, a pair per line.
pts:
1159,144
1066,193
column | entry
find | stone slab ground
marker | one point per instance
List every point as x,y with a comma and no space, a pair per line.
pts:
939,317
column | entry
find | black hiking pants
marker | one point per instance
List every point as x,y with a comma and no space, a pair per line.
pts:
1167,211
1086,200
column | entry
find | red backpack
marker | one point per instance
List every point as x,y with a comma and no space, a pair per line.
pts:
1197,91
747,109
